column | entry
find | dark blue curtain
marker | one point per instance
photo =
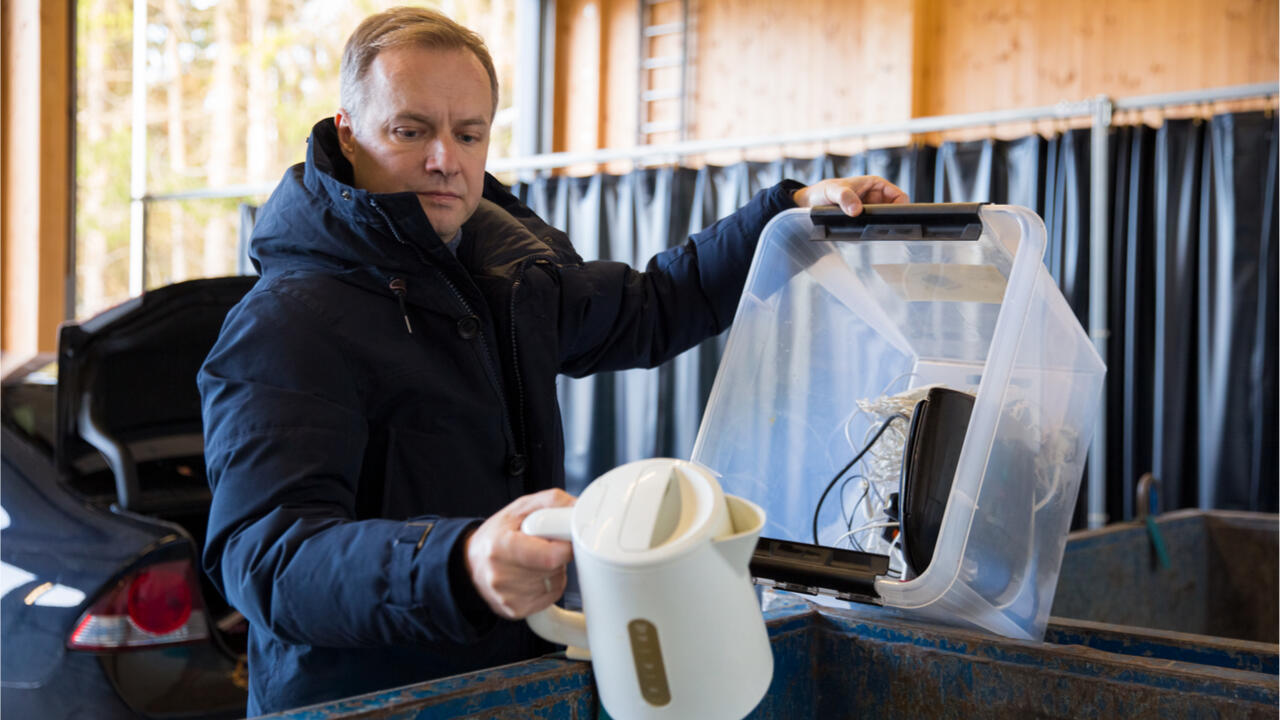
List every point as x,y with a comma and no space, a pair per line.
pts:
1179,149
1236,313
1191,292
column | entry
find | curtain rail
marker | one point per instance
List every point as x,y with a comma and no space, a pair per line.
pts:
1196,97
551,161
1062,110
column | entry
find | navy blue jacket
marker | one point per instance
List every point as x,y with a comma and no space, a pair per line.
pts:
351,439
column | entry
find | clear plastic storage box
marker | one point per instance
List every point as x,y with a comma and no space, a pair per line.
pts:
835,314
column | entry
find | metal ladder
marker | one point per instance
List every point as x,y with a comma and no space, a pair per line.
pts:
660,19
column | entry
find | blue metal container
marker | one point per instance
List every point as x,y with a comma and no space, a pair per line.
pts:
1218,577
867,663
1131,638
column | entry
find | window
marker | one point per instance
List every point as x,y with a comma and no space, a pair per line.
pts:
232,88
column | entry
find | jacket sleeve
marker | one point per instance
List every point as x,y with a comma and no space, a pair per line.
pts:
284,445
613,317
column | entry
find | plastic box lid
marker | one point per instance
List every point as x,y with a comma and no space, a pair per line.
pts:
901,298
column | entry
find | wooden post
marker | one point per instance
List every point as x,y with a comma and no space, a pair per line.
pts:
36,109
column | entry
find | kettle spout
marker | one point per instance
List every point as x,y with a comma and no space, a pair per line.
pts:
737,545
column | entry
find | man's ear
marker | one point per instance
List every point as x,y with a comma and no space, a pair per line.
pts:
346,134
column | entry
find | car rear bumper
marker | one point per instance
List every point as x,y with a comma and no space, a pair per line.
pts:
196,682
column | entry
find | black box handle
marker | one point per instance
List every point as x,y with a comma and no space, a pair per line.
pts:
908,221
818,569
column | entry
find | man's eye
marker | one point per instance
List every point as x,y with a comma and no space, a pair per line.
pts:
407,133
469,138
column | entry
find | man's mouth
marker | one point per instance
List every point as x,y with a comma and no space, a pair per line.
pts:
439,195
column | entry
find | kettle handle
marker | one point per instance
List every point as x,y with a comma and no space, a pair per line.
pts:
555,624
563,627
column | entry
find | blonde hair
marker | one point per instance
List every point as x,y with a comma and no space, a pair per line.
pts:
401,27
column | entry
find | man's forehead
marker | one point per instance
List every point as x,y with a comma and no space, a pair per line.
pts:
412,73
422,118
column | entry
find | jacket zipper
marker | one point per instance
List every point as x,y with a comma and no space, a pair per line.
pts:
515,359
490,367
522,439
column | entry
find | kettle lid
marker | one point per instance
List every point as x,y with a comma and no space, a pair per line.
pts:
646,511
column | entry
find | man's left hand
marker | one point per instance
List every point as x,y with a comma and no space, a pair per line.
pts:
850,193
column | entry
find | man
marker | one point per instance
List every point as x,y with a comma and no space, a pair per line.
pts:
380,410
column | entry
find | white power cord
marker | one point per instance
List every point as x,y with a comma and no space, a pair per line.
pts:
868,526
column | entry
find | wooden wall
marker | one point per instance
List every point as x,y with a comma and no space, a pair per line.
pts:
762,67
1015,53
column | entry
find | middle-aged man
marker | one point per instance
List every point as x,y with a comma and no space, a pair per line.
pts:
380,410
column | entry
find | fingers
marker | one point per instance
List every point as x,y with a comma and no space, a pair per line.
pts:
850,193
549,589
890,193
527,551
523,593
518,574
522,506
515,594
877,190
532,553
846,197
513,571
553,586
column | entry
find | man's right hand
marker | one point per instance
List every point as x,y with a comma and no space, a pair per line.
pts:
518,574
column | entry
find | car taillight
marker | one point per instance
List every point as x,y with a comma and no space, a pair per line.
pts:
154,605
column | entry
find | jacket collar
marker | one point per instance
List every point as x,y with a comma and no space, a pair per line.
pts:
318,219
328,175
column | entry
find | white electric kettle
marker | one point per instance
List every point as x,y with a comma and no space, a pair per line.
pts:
671,622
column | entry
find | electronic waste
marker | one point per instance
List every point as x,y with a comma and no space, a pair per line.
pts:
910,399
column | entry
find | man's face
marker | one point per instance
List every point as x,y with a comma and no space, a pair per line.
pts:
423,128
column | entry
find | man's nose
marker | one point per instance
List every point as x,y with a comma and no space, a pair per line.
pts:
442,156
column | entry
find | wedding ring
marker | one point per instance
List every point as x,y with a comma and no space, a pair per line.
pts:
546,582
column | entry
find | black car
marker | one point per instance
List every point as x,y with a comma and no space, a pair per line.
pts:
103,508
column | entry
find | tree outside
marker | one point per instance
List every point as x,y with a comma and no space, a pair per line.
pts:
233,88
